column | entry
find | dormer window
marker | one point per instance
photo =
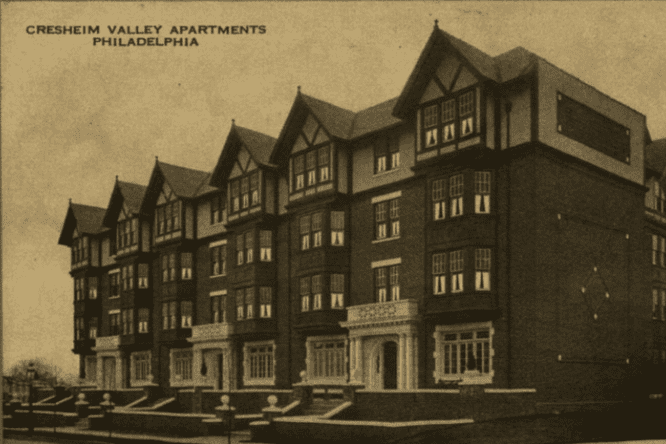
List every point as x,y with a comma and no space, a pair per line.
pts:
312,168
79,251
127,233
235,198
216,209
299,172
167,218
245,192
449,120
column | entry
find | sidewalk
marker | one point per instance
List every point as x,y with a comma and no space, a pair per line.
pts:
76,434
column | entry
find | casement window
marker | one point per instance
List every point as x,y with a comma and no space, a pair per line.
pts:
144,274
305,232
216,209
655,249
93,325
127,273
79,250
249,247
265,302
387,154
245,192
167,218
656,197
305,294
439,199
456,195
218,260
186,314
659,304
114,284
430,126
79,329
449,120
140,365
337,228
186,266
655,303
234,191
240,249
114,323
78,289
316,289
326,358
259,363
265,246
144,320
482,192
457,268
182,365
387,283
324,163
240,304
254,189
662,251
482,266
387,219
466,110
439,272
299,172
169,315
128,321
249,303
311,167
337,291
127,233
457,346
217,309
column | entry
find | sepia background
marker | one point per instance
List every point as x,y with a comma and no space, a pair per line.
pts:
76,115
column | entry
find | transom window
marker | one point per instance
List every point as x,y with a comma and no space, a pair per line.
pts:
456,193
457,267
387,283
326,358
482,192
482,265
449,120
265,302
461,348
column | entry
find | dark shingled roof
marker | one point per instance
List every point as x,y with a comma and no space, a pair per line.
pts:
655,156
185,182
132,195
479,59
88,218
339,122
259,144
514,63
374,119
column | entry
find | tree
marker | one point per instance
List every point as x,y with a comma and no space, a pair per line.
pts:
45,373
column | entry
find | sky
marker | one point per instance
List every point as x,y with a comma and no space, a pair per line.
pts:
76,115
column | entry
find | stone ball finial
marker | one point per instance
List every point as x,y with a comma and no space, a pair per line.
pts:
272,400
225,400
151,378
303,374
82,397
107,396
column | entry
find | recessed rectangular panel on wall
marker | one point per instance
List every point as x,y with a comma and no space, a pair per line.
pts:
593,129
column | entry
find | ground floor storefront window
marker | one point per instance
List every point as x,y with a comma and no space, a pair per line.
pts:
460,347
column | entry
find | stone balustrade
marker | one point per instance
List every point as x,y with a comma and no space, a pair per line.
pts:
107,343
383,311
211,332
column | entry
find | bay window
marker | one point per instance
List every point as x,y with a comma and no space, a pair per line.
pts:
439,273
186,266
482,265
449,120
79,329
316,289
265,246
337,228
265,302
78,289
143,275
457,267
169,315
249,303
456,194
249,247
128,321
439,199
305,293
216,209
92,328
324,164
186,314
245,192
127,233
240,304
167,218
218,260
144,320
337,291
299,172
482,192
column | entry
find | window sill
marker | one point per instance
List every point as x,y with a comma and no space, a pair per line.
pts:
217,276
256,382
114,297
379,241
384,173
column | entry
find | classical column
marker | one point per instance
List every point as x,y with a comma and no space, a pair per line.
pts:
402,364
410,360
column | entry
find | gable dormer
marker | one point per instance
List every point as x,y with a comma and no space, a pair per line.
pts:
122,216
244,169
82,225
168,215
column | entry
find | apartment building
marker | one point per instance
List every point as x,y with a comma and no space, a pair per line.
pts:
497,214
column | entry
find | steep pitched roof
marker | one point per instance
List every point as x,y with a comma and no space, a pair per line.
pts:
132,195
337,121
655,156
259,144
185,182
374,119
483,63
514,63
85,218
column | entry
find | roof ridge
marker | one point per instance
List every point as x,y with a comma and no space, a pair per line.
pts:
180,166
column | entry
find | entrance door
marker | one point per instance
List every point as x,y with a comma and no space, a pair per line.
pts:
390,365
109,374
220,371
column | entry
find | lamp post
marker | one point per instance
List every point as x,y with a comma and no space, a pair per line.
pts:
32,375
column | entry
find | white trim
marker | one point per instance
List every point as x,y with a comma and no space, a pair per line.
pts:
392,425
389,196
309,359
218,293
499,390
217,243
114,271
246,364
386,239
386,262
438,373
114,311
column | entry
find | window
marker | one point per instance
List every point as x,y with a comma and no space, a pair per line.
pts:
114,323
316,289
172,267
441,124
326,358
169,267
216,209
305,293
456,194
456,347
387,154
430,126
128,277
78,289
662,251
127,233
337,291
128,321
79,250
245,192
265,246
169,315
387,284
659,304
439,199
186,266
92,328
457,266
655,249
245,248
240,249
337,228
144,320
656,198
79,329
234,191
482,192
324,164
186,314
167,218
218,313
143,275
140,366
466,109
482,265
258,363
387,219
439,273
249,247
249,303
305,232
92,288
218,260
182,365
265,302
299,172
240,304
254,189
114,284
448,120
311,166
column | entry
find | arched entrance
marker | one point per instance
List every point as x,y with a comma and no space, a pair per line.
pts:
390,370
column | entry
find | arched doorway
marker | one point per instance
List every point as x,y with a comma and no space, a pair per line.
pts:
390,370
